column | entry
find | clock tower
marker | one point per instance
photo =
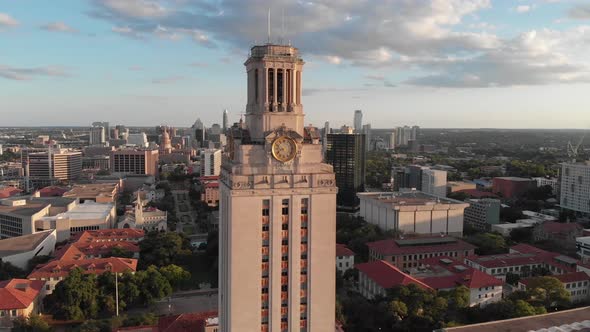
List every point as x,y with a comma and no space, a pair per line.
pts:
277,229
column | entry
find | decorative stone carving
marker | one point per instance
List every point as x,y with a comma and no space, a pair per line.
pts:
325,182
241,185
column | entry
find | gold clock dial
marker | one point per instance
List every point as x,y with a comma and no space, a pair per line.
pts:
284,149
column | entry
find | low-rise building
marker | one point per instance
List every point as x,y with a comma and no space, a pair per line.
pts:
482,213
564,234
6,192
20,298
57,270
413,212
576,283
19,250
81,217
445,273
512,187
507,228
407,253
583,248
522,260
454,186
144,217
96,192
101,244
209,187
376,277
344,258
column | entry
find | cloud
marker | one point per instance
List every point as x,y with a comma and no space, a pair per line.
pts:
440,42
168,80
523,9
580,12
25,74
532,58
7,21
136,68
132,8
375,77
58,27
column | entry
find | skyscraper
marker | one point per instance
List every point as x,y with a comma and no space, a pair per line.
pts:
105,125
97,135
346,152
225,122
575,186
278,208
358,121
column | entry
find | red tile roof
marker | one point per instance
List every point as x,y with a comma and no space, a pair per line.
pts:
524,248
61,268
342,250
553,227
390,247
564,278
126,234
193,322
19,293
76,251
9,192
518,259
52,191
387,275
466,276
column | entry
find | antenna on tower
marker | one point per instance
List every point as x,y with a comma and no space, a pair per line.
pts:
268,26
572,150
282,26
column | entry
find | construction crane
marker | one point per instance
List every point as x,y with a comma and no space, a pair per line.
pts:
572,150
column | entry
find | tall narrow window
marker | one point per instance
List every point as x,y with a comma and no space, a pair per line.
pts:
256,86
271,86
280,77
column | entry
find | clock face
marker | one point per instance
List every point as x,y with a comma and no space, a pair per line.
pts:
284,149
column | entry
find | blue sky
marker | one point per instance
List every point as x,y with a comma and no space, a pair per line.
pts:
435,63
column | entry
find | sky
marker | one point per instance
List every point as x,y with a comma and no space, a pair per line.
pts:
433,63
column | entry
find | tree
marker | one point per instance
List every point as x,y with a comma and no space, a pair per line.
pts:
76,297
161,249
510,214
488,243
33,323
121,252
460,196
520,235
9,271
398,309
141,320
175,275
152,285
548,292
522,309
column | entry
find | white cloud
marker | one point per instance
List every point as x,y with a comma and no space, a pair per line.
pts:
134,8
25,74
523,9
58,27
7,20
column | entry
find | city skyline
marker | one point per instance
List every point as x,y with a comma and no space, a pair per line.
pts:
453,64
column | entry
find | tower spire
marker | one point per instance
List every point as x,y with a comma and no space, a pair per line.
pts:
268,26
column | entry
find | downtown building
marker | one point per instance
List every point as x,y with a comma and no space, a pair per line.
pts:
346,152
278,208
135,161
575,187
45,168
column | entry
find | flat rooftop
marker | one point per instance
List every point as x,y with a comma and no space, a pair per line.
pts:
568,320
514,178
94,189
88,210
20,244
28,209
408,198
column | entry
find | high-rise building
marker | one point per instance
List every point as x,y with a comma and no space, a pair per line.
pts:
97,135
346,152
105,126
211,162
415,133
325,133
483,213
367,132
434,182
358,121
199,132
391,141
225,121
214,133
139,140
575,187
135,161
65,165
278,208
